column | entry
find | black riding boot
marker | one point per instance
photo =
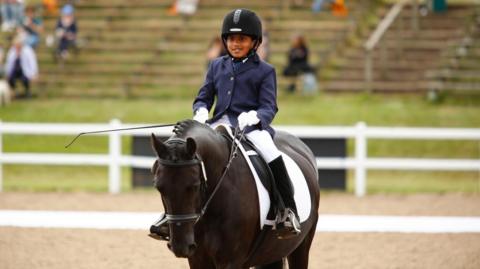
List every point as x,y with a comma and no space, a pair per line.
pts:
159,230
288,223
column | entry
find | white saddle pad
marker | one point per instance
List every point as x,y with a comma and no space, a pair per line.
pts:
301,192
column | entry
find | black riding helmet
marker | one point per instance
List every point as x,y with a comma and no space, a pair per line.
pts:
245,22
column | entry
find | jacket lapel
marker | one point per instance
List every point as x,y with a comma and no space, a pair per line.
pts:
227,64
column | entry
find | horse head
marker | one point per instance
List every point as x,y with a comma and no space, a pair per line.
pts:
178,176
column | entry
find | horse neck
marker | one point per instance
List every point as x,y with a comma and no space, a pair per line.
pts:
212,149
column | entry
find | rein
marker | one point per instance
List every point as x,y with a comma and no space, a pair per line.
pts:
233,155
178,219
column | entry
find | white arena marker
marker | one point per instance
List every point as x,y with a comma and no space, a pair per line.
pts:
77,219
326,223
398,224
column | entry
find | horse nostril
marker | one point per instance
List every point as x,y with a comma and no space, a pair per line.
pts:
192,247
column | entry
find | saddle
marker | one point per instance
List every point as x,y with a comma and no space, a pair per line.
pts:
259,166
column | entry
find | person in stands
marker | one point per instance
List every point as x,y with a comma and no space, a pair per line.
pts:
66,31
21,65
215,50
33,27
297,61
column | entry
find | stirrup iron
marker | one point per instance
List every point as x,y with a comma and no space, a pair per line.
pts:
287,224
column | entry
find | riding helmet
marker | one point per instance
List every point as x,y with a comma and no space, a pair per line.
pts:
242,21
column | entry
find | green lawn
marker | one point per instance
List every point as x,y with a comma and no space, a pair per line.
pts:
385,110
325,109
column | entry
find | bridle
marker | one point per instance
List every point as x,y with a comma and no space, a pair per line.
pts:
178,219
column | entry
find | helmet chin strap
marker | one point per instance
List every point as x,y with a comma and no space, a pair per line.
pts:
244,59
250,53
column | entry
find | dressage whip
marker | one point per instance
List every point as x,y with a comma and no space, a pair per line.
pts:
116,130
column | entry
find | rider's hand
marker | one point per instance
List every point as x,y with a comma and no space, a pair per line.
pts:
247,119
201,115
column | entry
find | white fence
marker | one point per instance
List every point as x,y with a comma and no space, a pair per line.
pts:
360,162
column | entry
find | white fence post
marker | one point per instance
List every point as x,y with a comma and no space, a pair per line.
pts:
360,157
115,148
1,153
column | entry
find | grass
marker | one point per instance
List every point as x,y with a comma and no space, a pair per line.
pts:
35,178
408,182
325,109
385,110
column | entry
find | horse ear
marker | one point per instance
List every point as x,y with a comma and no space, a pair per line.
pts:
158,146
191,146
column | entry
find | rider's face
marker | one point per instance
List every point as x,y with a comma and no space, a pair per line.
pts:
239,45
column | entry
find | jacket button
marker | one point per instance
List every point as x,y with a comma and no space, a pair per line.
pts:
229,92
231,78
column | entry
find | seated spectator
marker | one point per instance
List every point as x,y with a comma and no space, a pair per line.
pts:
2,58
215,50
263,50
33,27
21,64
12,14
317,5
5,95
66,31
339,9
297,61
172,10
186,8
51,7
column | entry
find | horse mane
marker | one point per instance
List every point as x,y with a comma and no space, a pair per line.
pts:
191,128
205,137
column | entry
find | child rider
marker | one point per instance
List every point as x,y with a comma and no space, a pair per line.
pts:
245,90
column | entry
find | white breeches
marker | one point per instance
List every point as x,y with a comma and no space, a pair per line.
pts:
261,139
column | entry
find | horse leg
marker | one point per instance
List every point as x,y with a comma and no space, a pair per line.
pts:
298,259
275,265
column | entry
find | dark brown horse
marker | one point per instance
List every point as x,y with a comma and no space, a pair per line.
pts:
228,234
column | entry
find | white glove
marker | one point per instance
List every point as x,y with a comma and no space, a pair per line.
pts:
247,119
201,115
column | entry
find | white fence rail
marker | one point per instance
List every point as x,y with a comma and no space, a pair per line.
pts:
359,162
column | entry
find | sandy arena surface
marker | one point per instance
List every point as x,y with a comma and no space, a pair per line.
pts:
83,248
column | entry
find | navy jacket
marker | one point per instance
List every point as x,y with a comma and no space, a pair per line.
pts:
252,87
